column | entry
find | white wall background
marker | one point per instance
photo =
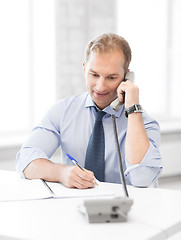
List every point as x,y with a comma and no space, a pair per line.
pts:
57,42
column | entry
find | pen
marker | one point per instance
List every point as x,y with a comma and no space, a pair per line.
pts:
76,163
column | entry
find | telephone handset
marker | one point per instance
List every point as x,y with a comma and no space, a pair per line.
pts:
116,104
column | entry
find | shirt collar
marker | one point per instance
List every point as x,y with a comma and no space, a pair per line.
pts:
90,103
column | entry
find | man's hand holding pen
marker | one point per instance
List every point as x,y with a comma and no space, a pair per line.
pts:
75,177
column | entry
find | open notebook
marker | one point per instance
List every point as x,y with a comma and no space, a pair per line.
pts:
15,188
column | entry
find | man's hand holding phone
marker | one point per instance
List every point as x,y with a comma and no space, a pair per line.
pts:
129,93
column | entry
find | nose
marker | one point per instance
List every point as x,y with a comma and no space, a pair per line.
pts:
100,84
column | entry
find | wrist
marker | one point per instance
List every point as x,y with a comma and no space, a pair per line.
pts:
62,172
135,108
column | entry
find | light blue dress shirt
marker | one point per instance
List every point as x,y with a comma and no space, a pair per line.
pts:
69,124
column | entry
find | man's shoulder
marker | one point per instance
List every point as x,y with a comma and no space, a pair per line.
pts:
79,97
72,101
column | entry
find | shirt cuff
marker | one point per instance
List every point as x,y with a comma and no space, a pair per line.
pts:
145,170
26,155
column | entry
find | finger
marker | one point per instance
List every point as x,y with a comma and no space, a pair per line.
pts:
121,95
123,86
79,186
85,174
79,182
85,178
121,91
92,174
82,184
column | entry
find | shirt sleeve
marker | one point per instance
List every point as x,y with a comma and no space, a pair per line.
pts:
148,171
43,141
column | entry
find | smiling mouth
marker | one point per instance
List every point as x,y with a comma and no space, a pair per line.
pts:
97,94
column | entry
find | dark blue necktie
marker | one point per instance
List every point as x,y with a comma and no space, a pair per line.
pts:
94,160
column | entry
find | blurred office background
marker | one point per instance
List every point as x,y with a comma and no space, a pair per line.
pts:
42,45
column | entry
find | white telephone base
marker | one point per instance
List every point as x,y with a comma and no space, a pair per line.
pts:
102,210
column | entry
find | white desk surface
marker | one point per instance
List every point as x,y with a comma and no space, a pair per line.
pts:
155,214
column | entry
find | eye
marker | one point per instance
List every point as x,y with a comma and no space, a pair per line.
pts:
94,75
111,77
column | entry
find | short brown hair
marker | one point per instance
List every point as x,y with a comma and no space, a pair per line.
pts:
109,42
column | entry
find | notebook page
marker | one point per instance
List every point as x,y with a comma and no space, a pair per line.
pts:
61,191
14,188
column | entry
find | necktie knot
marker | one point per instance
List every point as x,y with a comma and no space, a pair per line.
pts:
99,115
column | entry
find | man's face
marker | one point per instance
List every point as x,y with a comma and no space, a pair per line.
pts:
103,73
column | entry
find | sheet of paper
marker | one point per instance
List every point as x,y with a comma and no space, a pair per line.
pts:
14,188
62,192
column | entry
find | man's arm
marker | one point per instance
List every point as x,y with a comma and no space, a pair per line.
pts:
34,157
70,176
137,142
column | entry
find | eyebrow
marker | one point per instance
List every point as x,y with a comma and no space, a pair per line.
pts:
92,71
112,74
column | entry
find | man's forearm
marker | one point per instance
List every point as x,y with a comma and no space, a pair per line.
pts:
70,176
137,142
45,169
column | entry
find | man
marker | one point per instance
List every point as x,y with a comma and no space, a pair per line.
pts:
70,121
